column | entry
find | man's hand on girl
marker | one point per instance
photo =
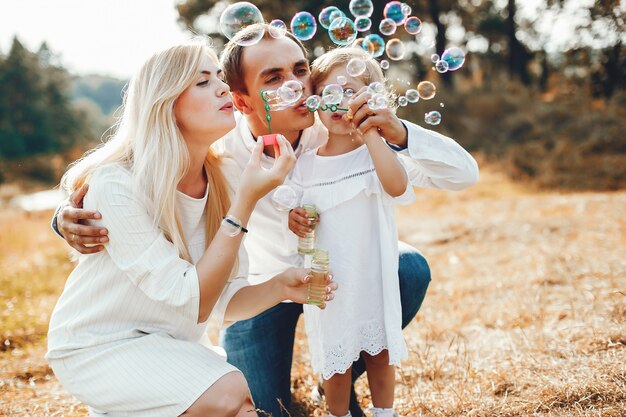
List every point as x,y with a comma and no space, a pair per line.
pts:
70,224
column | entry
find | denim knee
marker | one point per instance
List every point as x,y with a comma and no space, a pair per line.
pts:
414,275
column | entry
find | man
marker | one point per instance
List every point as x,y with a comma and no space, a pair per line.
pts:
262,347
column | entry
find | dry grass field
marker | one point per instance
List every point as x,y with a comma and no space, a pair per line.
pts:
525,316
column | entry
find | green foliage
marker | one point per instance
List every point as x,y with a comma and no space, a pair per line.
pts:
569,142
35,112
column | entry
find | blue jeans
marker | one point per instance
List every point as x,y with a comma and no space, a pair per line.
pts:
262,347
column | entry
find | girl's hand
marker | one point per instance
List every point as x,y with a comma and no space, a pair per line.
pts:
293,283
257,181
384,120
299,222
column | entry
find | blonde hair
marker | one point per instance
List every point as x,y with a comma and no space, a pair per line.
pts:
341,56
147,140
324,64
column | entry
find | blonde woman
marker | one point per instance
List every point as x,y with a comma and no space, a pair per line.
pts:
127,336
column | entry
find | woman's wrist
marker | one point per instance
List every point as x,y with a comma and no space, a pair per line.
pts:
242,206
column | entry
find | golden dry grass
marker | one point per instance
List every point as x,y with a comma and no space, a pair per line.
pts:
526,314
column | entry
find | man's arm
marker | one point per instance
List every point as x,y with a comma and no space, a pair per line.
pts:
432,159
67,223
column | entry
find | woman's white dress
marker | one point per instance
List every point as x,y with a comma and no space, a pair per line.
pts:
124,337
357,227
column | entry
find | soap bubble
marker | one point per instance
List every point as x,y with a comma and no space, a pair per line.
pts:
426,90
361,7
303,26
441,66
377,102
239,15
313,102
393,11
374,44
324,16
341,80
455,57
402,101
358,43
432,118
342,31
284,198
278,28
355,67
441,105
290,92
412,95
384,64
335,14
413,25
376,88
348,92
387,27
434,58
395,49
332,94
406,9
363,23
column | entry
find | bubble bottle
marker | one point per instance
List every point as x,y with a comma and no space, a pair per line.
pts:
306,244
318,278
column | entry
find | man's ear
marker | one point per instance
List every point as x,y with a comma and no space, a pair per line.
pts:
240,102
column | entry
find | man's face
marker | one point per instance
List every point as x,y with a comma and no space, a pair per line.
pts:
266,66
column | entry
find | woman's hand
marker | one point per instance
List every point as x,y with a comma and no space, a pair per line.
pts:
293,283
257,181
299,222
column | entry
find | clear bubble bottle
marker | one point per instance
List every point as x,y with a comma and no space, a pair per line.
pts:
306,245
316,288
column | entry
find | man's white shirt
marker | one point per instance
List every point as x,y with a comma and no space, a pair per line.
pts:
432,160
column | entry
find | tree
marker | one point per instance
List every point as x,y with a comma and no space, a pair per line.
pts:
35,113
608,22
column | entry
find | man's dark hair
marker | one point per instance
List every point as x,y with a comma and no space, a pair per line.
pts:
230,59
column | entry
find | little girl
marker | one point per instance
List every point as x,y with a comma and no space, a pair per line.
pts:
354,180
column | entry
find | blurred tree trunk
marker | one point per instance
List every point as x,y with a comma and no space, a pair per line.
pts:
518,56
614,74
434,10
545,71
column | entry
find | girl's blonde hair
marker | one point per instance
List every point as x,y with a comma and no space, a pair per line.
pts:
147,140
341,56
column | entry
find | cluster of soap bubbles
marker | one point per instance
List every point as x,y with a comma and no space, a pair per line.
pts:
451,60
343,31
378,96
426,90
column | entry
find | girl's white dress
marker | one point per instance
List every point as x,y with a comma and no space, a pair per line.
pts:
358,229
124,337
